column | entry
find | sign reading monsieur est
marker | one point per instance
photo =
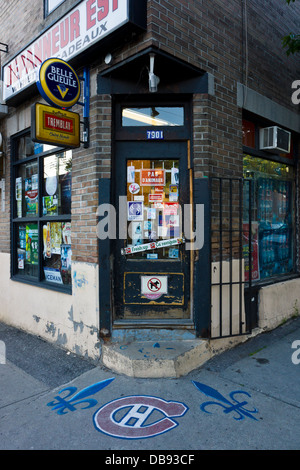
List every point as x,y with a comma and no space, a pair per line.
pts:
58,83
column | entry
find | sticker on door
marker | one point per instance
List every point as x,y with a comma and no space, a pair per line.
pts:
154,287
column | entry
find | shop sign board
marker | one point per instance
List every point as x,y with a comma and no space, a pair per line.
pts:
58,83
87,23
55,126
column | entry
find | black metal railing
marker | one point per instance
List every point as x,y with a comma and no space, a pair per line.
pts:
231,249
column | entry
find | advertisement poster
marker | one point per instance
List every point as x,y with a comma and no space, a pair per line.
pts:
56,234
254,249
32,240
66,260
31,195
19,196
50,205
66,233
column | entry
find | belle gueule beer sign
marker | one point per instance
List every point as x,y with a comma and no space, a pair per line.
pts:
59,85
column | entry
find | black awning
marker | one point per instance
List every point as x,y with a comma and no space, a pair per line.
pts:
131,75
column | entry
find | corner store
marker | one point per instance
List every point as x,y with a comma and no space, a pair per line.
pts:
202,72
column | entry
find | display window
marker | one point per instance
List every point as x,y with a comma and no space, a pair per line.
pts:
41,213
272,218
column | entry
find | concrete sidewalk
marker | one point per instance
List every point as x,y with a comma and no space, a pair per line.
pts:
245,398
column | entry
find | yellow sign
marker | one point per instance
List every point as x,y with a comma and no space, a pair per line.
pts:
55,126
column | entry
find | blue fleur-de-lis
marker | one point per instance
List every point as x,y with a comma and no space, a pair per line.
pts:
236,406
63,405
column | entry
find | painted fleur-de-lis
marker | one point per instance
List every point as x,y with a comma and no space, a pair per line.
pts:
229,407
62,405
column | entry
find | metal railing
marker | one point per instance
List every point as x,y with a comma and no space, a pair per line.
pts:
231,214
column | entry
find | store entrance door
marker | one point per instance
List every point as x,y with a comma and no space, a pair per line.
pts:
151,276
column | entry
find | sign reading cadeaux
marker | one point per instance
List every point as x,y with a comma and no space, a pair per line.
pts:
58,83
87,23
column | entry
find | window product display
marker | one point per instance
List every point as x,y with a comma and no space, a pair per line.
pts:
27,249
42,190
57,184
26,189
57,252
272,217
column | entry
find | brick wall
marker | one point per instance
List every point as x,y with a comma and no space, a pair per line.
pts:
88,166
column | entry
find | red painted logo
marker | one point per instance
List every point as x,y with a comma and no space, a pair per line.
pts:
130,417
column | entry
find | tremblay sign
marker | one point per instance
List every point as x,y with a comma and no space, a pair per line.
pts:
54,126
86,24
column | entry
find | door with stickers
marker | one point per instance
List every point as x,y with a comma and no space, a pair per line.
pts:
151,266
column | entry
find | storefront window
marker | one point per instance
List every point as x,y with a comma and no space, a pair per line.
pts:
272,218
57,252
57,184
27,249
42,213
27,189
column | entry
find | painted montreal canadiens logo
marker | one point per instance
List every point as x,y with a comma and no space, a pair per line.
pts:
138,417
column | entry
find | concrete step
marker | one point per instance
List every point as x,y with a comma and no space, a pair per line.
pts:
149,359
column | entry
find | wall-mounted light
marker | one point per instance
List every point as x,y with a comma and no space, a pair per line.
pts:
153,79
108,59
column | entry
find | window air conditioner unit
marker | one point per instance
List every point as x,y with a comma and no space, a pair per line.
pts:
274,138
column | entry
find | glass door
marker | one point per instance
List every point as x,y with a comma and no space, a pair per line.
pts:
151,266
